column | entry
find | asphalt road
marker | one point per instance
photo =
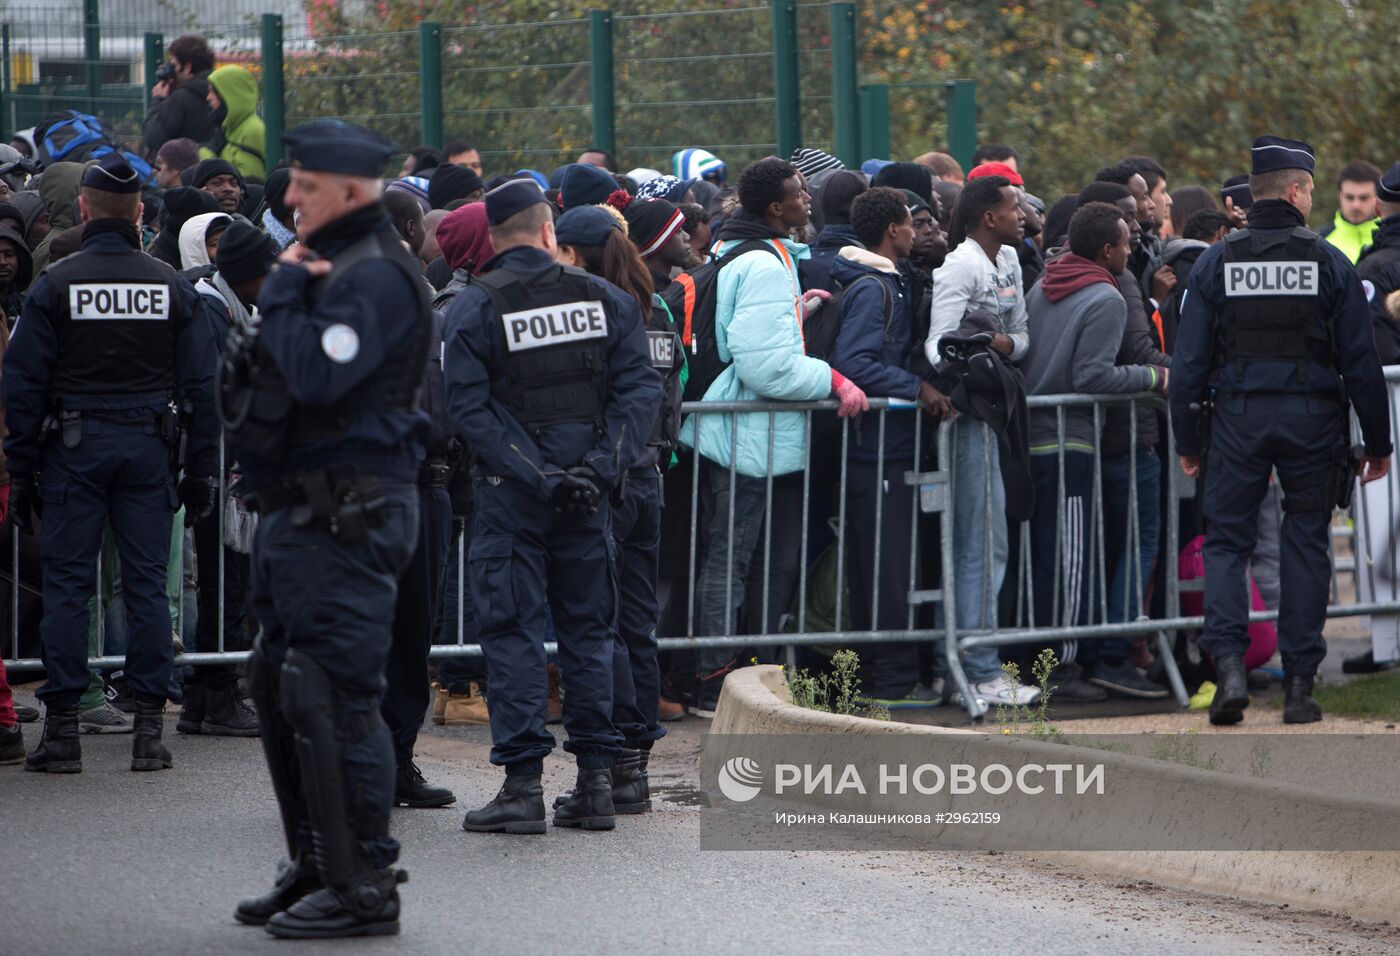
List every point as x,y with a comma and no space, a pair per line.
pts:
113,862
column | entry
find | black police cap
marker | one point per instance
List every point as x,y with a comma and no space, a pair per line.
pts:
112,174
333,146
1272,153
1389,190
512,197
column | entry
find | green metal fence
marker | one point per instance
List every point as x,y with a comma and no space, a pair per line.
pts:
741,81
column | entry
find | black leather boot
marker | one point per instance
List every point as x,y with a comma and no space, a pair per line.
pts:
1231,690
147,752
631,791
411,790
1299,707
192,713
11,745
225,713
295,879
58,750
365,905
590,805
517,808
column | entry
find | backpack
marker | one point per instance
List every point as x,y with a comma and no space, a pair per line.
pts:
693,298
73,137
819,332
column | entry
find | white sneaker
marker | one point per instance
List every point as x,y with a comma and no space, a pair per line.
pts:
998,691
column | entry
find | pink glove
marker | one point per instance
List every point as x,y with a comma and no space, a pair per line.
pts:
812,300
852,399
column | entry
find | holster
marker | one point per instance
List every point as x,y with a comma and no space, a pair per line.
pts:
342,502
1347,463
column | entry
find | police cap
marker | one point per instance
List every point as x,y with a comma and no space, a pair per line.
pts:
510,198
333,146
112,174
1389,189
1272,153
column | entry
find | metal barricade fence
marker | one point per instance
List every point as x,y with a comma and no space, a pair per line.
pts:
776,599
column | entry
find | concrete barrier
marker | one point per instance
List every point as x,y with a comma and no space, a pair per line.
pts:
1360,884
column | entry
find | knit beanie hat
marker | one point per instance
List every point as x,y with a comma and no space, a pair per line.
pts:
245,253
651,222
809,161
415,186
450,182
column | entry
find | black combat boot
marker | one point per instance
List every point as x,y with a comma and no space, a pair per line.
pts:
58,750
411,790
192,713
518,808
1231,690
590,805
295,879
1299,707
11,745
631,792
366,904
147,752
225,713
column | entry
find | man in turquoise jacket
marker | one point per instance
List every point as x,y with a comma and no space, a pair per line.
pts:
758,326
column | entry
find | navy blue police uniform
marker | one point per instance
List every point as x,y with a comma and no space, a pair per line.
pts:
322,409
406,693
549,382
111,350
636,534
1275,339
1379,269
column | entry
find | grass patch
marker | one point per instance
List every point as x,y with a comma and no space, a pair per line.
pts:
1371,695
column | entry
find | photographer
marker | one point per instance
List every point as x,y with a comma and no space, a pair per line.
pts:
178,107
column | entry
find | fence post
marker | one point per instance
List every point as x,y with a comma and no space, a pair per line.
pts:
600,76
787,90
274,101
845,82
153,54
430,80
92,53
962,121
875,121
6,102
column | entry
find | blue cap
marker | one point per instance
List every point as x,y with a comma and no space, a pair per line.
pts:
534,174
585,185
1236,189
333,146
510,198
112,174
1272,153
1389,189
586,226
872,166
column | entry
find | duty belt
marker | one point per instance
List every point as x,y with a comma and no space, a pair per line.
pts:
342,501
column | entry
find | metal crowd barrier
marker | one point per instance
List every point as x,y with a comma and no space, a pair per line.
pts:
822,502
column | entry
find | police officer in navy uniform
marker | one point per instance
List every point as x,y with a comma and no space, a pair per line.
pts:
322,409
1379,268
111,351
1275,339
550,384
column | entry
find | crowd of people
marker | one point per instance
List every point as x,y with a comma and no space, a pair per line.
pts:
906,280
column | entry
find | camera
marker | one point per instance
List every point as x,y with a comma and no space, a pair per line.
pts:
166,72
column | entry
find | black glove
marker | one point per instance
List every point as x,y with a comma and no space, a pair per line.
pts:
580,492
24,503
197,495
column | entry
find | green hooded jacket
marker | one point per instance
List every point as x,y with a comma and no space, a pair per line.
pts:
243,138
58,189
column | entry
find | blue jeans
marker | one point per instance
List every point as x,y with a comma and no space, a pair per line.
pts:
1117,478
979,507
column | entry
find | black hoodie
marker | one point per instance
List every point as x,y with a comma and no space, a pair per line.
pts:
184,113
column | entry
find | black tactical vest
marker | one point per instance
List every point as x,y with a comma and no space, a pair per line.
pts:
1273,307
668,358
556,335
259,414
116,319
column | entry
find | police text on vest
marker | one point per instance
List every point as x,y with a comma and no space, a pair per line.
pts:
554,325
1270,278
119,300
663,349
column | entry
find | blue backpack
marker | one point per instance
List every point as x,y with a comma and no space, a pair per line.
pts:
75,137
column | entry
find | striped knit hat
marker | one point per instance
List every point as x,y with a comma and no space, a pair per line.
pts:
651,222
812,161
697,164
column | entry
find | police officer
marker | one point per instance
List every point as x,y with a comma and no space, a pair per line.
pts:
1379,268
420,588
549,382
110,347
1275,337
322,410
